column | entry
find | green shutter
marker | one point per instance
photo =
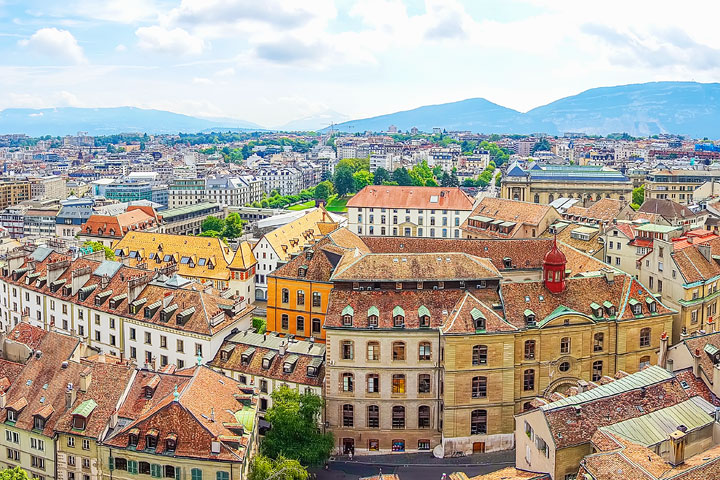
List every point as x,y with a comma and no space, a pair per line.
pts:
177,473
222,476
156,470
133,466
196,474
112,463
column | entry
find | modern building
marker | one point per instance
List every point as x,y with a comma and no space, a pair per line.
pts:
40,222
13,192
188,220
52,187
434,212
129,191
544,184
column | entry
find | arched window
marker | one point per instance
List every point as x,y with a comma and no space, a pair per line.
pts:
316,299
424,383
645,337
373,383
598,342
348,382
479,387
373,416
565,345
300,325
423,416
479,355
373,350
144,468
478,422
169,471
398,417
529,379
300,297
398,351
644,362
316,325
347,415
285,296
597,370
537,198
551,198
196,474
424,351
284,321
529,349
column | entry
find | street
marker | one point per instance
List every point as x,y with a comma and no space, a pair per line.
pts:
415,466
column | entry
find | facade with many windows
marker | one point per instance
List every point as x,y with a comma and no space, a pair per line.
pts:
434,212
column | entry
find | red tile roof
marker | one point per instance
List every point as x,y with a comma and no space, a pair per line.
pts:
387,196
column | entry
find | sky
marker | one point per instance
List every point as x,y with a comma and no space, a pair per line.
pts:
272,61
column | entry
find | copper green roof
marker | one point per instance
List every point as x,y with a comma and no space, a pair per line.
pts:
398,311
246,416
476,313
348,310
423,311
373,311
85,408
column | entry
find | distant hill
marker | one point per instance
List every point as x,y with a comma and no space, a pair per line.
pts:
688,108
314,122
108,121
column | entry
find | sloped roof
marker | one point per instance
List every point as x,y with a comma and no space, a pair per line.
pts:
391,196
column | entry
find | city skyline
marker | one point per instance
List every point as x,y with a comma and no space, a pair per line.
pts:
278,62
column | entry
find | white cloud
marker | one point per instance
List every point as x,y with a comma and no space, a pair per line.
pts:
55,43
120,48
173,41
225,72
202,81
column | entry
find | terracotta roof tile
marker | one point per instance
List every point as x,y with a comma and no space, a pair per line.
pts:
388,196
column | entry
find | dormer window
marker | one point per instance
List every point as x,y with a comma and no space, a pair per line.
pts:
478,319
372,316
398,317
507,262
312,371
133,440
151,439
78,422
12,415
652,304
39,423
529,317
597,310
609,308
635,307
424,316
170,443
289,364
268,359
347,316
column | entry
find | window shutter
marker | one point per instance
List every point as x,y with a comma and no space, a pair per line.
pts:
155,470
112,463
133,466
177,473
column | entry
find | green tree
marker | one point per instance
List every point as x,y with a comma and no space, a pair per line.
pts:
295,432
449,180
362,178
212,223
422,175
263,468
210,233
343,181
16,473
99,247
381,175
541,146
259,324
323,190
233,226
638,195
402,177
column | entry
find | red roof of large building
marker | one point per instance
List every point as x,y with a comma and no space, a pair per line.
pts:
391,196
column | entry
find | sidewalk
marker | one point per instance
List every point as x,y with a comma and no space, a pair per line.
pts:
506,457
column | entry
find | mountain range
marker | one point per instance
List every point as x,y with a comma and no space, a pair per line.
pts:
687,108
645,109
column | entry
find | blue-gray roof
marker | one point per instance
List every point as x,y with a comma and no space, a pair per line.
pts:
107,267
41,253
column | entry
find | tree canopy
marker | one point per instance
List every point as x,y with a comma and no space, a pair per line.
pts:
16,473
281,468
99,247
212,223
295,433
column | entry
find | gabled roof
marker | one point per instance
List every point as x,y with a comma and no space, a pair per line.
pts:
389,196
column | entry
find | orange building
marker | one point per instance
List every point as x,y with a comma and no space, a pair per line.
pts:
298,292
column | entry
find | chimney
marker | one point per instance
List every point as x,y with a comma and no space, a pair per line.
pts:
114,419
212,414
282,348
85,379
70,395
136,286
662,357
705,250
677,448
696,363
582,386
609,274
79,277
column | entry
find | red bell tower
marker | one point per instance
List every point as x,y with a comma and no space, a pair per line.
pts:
554,269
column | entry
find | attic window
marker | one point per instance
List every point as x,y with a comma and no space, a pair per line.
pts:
85,292
184,260
609,308
424,316
38,423
398,317
635,306
167,258
67,290
478,319
267,360
507,262
247,356
152,308
167,312
347,316
101,297
119,252
12,415
373,315
185,315
302,271
201,262
529,317
289,364
170,442
151,439
652,304
597,310
136,305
